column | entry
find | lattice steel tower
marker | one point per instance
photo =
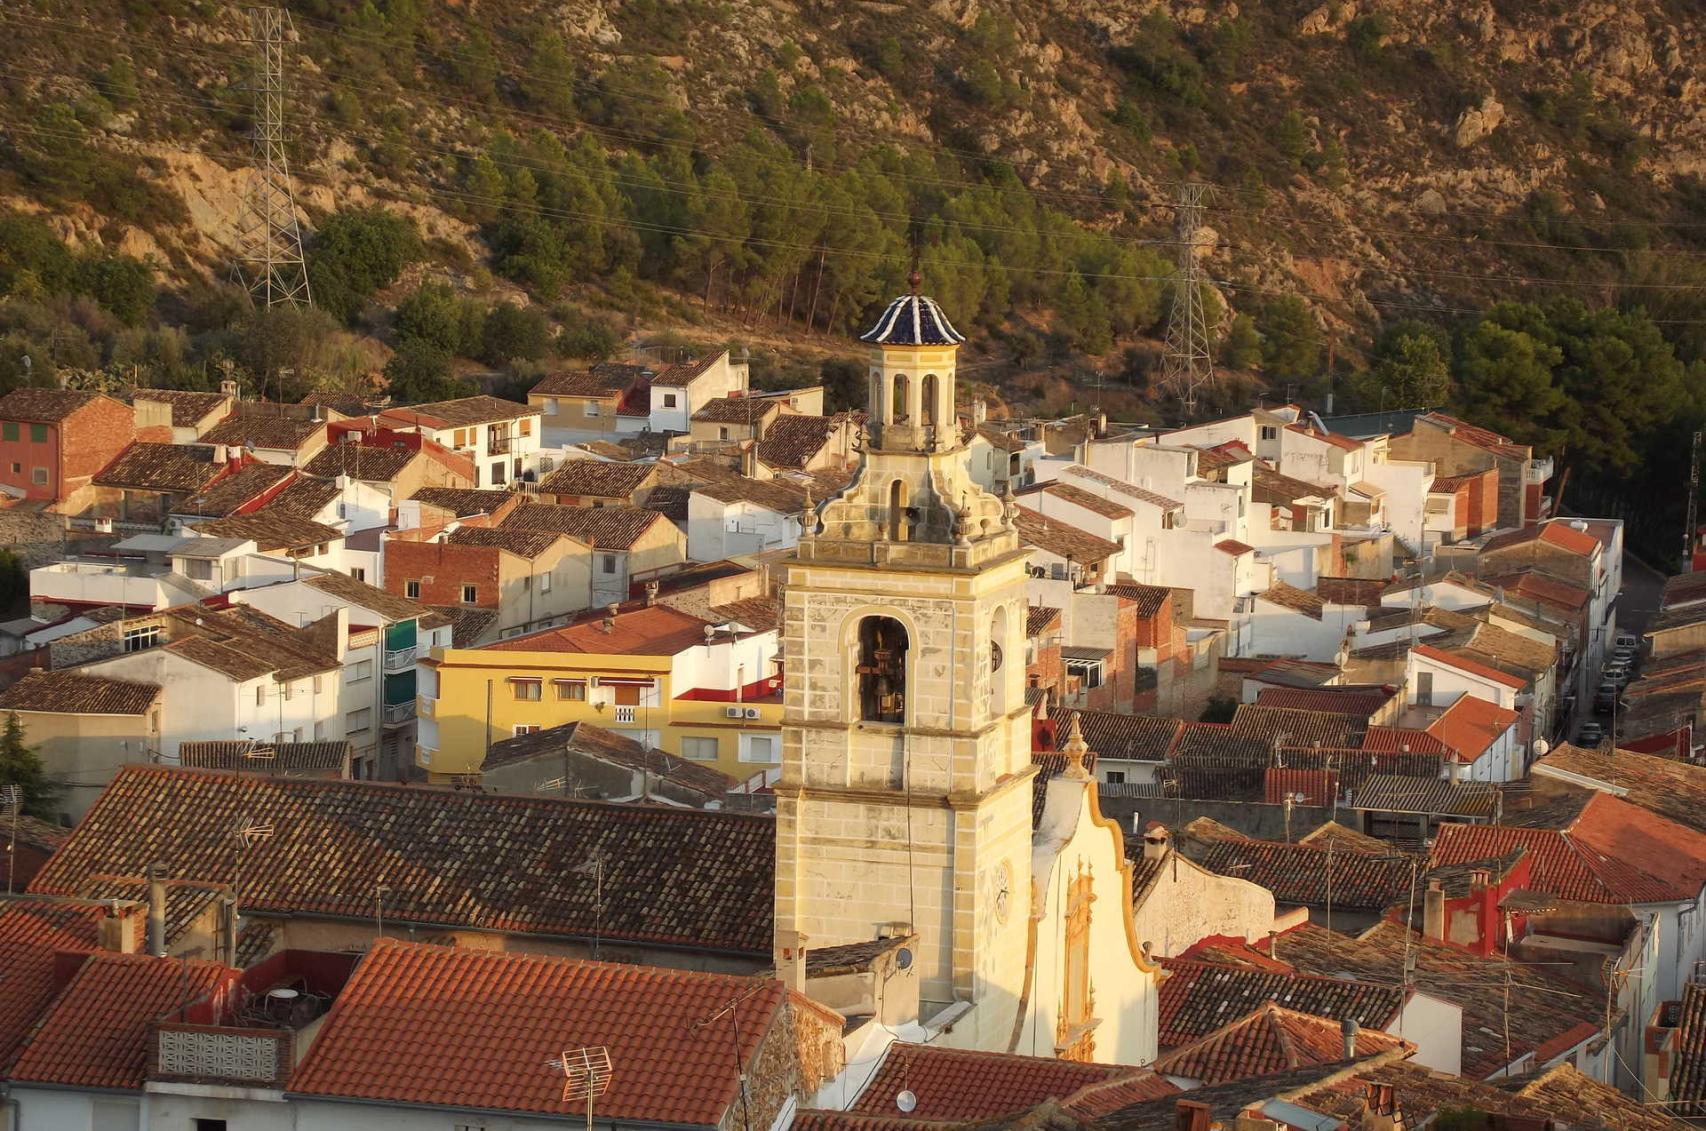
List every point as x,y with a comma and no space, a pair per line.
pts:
1187,365
270,248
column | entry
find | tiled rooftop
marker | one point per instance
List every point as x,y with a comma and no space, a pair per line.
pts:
1672,789
463,502
677,878
1270,1039
1308,874
370,463
1470,726
44,405
482,1037
160,467
260,430
792,441
960,1084
596,478
244,756
607,528
189,407
345,588
1061,539
230,492
460,413
1079,497
271,530
32,978
657,630
69,692
1201,997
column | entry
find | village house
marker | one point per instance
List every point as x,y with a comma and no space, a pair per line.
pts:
630,546
732,515
1456,447
499,436
575,407
589,762
527,579
807,443
53,441
597,483
675,392
705,690
84,727
289,435
178,416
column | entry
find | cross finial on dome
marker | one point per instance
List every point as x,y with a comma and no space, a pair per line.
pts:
1075,750
916,278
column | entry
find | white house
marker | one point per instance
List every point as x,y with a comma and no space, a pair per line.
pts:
678,391
731,516
498,435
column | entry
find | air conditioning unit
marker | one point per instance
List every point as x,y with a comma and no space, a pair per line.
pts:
752,712
731,712
103,526
592,681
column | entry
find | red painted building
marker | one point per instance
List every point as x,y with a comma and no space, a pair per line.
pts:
53,441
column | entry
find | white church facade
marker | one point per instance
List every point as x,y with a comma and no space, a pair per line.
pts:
905,802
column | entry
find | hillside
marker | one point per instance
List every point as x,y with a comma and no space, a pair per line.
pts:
678,171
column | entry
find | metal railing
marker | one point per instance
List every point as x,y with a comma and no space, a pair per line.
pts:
399,713
498,445
398,658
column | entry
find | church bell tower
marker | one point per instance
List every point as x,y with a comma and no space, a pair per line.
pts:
904,804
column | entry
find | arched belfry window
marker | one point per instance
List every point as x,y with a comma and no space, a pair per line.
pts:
899,394
881,670
929,392
998,705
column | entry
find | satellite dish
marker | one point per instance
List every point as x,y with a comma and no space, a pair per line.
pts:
1541,747
903,958
905,1100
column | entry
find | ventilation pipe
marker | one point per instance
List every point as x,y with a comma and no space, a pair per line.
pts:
157,910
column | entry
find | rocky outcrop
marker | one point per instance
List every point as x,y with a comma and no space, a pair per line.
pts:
1477,122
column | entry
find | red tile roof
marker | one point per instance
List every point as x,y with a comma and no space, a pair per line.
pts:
1402,740
1343,442
1557,533
963,1084
63,924
1470,726
681,878
1268,1040
1234,547
96,1035
1307,874
421,1024
1482,438
1361,701
657,630
1474,667
1201,997
31,980
1611,852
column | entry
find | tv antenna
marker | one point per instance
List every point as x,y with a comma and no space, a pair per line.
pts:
731,1010
1186,364
270,243
586,1075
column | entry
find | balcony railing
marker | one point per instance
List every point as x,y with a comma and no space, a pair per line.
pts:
396,659
218,1054
396,714
625,714
498,445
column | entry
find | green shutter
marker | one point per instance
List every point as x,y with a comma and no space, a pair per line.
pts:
10,431
38,433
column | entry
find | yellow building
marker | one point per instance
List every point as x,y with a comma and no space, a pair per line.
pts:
708,690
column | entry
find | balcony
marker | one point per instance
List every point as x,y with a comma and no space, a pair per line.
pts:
625,714
1538,471
135,585
400,659
499,444
396,714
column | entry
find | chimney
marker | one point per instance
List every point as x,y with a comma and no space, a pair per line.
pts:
228,389
117,929
1433,912
1188,1115
749,460
651,593
791,961
1155,841
157,910
228,924
607,625
1348,1031
1479,878
219,454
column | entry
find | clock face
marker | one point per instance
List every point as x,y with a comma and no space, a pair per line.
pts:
1003,890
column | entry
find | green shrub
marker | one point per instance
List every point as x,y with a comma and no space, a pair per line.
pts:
355,253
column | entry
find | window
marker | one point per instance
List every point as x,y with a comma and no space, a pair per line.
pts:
360,670
17,469
607,563
669,400
1270,432
1116,777
882,645
11,430
286,691
412,588
209,1125
549,406
38,433
319,730
699,749
470,594
498,473
1425,689
358,720
145,636
722,432
591,408
316,685
761,748
571,690
526,690
1089,672
524,427
260,694
198,569
626,695
358,573
460,439
526,728
38,476
545,582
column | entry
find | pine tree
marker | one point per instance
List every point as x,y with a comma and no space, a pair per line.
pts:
21,766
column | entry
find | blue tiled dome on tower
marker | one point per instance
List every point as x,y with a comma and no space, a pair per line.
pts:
913,320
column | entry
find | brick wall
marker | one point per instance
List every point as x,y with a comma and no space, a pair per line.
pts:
1045,669
92,437
442,571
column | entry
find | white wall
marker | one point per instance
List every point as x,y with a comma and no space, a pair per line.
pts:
757,529
50,1109
1436,1027
1187,903
1406,483
720,664
1280,631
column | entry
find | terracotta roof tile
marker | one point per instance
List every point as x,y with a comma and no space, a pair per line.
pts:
362,595
1234,547
1468,664
1688,1077
1270,1039
962,1084
244,756
736,410
96,1035
1557,532
62,924
1040,619
1394,793
1470,726
1111,734
1225,1102
593,383
1351,590
1297,600
258,429
185,900
1271,487
231,491
782,497
371,463
160,467
1079,497
597,478
1150,599
463,502
1364,702
1342,442
467,625
1292,728
607,528
499,1018
657,630
271,530
1107,483
33,976
527,544
1673,789
1313,875
304,498
1061,539
1532,585
685,372
792,441
1199,998
681,878
1483,438
46,405
1229,454
459,413
189,407
69,692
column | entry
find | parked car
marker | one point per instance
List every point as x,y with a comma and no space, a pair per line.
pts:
1605,698
1627,640
1591,734
1615,673
1623,654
